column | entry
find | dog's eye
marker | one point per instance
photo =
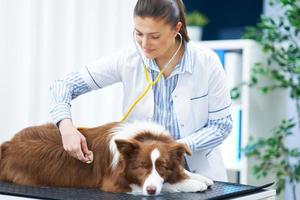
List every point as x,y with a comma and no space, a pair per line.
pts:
137,166
141,166
147,166
163,167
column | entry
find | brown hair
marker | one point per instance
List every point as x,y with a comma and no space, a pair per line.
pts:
172,11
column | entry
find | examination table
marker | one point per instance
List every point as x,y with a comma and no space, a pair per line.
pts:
220,190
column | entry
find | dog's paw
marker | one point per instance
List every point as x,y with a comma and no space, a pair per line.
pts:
135,190
188,185
191,185
203,179
200,178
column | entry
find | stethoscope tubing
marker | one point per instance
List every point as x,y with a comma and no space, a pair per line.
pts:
150,82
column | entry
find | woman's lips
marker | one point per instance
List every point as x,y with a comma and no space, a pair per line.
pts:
148,50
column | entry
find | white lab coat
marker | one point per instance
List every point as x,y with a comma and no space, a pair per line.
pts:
198,96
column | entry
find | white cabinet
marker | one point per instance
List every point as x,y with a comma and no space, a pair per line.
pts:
253,113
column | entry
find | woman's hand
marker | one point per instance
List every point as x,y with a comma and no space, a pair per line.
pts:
74,142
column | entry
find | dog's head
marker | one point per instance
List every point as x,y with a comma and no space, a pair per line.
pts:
149,163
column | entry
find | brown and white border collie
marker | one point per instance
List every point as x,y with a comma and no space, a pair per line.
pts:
138,158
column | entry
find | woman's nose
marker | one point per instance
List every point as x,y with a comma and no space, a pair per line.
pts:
145,42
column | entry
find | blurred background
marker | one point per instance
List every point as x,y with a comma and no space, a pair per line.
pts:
43,40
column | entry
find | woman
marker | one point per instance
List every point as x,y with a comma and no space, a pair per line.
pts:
191,99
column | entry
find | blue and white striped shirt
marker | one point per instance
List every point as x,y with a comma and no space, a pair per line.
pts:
211,135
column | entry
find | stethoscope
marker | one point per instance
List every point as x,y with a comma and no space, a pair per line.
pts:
150,82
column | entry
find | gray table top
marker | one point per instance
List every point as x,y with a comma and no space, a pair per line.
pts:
220,190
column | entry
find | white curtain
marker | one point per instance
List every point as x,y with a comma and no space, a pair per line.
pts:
42,40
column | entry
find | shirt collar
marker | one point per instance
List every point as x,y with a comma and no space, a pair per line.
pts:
185,64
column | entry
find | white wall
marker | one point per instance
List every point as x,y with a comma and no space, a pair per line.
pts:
42,40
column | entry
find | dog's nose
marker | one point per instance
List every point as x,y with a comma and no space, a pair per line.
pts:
151,190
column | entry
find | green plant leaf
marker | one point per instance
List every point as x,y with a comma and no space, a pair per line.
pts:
279,40
196,18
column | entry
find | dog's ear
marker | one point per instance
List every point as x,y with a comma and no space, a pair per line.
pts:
127,147
179,149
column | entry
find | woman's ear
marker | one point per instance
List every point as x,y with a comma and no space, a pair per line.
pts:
178,27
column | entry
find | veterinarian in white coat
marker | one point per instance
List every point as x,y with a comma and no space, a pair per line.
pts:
191,99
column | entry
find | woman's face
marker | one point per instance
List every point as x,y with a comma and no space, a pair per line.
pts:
155,37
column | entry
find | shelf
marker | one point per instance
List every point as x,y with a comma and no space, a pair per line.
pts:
254,107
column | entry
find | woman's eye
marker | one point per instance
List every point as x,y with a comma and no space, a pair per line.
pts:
139,34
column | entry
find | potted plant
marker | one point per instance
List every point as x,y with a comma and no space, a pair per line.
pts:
195,22
279,38
273,156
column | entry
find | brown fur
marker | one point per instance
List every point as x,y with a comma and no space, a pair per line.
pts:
136,153
35,156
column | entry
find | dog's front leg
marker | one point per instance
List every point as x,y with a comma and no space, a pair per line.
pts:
187,185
